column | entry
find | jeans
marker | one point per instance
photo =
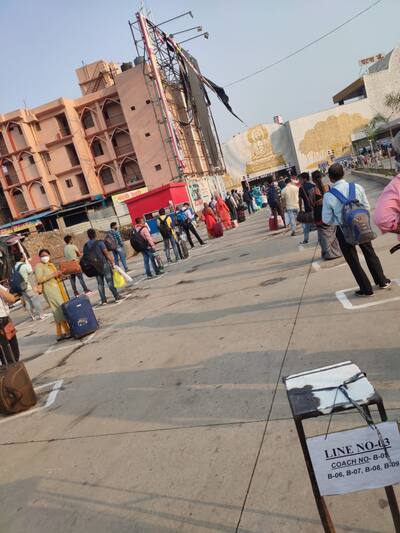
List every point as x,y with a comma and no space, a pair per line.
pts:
250,207
148,257
108,276
374,265
32,303
81,281
292,215
168,242
120,253
306,231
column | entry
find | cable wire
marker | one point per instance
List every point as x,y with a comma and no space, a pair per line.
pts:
305,46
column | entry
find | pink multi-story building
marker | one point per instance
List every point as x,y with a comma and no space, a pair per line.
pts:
112,139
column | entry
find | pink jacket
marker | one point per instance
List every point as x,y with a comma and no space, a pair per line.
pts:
146,234
387,209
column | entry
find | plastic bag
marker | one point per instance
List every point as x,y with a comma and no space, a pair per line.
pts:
126,276
119,281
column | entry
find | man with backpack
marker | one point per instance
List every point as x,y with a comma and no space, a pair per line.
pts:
20,285
115,244
185,218
98,262
274,197
346,206
164,225
141,241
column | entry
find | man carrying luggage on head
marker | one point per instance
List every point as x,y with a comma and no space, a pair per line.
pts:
104,263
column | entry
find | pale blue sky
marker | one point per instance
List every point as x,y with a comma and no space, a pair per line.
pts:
48,39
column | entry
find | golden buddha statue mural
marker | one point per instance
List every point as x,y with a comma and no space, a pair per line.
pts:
262,152
333,133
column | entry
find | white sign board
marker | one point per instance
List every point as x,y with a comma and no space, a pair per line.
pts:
354,460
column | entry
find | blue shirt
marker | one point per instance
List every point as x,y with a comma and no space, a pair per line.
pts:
332,210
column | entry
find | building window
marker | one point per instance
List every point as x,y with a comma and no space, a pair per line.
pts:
148,101
63,125
69,184
97,148
41,188
47,156
107,176
37,126
72,155
87,120
31,160
158,167
82,184
133,108
147,134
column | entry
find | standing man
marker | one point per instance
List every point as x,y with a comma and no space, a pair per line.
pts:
72,253
332,213
274,197
22,270
305,202
142,241
290,197
164,224
97,250
187,225
248,199
119,252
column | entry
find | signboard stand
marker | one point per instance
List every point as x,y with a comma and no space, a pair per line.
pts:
317,393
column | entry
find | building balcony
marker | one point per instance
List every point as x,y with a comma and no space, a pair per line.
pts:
124,149
115,120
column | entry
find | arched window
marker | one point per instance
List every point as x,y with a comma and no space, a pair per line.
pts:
107,176
87,119
39,195
122,142
97,147
19,201
131,172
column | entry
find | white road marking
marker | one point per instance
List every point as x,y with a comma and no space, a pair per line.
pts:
343,299
56,387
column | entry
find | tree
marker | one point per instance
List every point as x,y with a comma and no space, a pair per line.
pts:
392,102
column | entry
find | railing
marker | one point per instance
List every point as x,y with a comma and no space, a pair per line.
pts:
115,119
124,149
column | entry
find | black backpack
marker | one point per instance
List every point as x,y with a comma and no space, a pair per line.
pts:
17,283
110,242
138,242
92,263
164,228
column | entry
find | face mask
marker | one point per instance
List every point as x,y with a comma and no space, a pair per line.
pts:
45,259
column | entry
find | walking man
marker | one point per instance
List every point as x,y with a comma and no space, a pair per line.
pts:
275,200
248,199
119,252
72,253
290,197
187,225
99,255
332,213
142,241
26,292
305,203
164,224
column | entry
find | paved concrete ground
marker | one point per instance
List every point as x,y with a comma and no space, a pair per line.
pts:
173,417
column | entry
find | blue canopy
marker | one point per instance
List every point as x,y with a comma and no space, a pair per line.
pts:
32,218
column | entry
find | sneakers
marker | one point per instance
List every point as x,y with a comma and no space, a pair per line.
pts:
293,234
362,294
303,242
387,285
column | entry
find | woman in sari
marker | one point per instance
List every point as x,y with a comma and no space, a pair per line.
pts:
223,213
209,218
326,234
54,293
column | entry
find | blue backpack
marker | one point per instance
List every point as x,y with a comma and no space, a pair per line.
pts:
17,283
356,225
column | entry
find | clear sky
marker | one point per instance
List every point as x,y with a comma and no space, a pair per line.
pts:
47,39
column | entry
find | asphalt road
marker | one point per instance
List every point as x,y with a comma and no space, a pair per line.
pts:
173,416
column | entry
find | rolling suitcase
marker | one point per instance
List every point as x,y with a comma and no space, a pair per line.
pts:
16,389
183,249
79,314
159,262
218,230
241,213
272,223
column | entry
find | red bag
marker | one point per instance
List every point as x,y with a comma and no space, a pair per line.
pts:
218,230
272,223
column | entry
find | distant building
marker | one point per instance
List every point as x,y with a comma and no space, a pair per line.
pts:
69,153
307,142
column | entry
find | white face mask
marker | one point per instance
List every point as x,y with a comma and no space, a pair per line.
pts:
45,258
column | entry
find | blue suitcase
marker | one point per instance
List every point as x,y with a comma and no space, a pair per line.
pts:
79,314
